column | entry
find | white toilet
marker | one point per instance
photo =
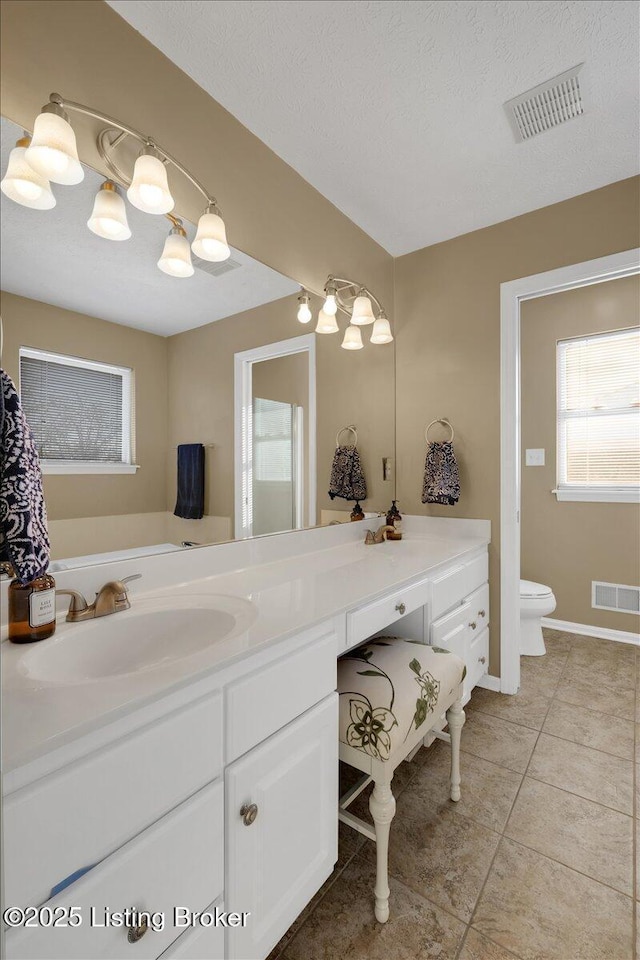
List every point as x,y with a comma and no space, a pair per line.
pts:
536,601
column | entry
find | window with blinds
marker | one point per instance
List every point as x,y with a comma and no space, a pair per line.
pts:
80,411
272,441
598,426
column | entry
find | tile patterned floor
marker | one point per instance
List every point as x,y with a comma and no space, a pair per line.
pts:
537,861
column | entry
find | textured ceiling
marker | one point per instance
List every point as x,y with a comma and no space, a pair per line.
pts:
52,256
392,109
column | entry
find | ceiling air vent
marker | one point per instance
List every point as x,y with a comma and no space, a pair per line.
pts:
216,269
615,596
547,105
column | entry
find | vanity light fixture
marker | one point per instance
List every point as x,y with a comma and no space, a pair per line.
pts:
304,312
358,304
51,154
21,182
109,216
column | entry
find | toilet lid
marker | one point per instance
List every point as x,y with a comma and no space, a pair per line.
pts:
530,589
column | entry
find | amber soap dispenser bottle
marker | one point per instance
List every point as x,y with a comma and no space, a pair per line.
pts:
32,609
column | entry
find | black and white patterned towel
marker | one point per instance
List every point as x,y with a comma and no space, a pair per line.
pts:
441,475
24,537
347,476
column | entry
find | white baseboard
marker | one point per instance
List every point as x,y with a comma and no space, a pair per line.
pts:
584,630
489,682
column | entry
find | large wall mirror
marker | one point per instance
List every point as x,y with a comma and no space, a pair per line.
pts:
119,364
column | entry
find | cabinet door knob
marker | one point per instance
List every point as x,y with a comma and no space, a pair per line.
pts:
248,812
401,608
137,933
482,659
473,625
482,613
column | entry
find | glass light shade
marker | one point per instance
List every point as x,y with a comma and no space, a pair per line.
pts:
362,311
330,305
176,256
149,190
53,152
381,332
352,338
304,313
326,323
211,238
22,184
109,215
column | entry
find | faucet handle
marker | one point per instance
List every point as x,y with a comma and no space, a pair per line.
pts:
134,576
78,602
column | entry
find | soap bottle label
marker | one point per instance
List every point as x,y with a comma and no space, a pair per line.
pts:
42,607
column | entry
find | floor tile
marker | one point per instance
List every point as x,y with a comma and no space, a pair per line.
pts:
581,834
488,790
589,773
477,947
541,673
616,671
557,642
584,688
542,910
590,728
528,707
598,647
501,742
441,855
343,925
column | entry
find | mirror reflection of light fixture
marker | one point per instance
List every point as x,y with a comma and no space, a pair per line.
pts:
51,154
109,215
362,310
21,182
211,236
381,332
352,338
326,323
330,304
304,312
176,255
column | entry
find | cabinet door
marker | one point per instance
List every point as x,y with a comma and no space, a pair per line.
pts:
277,862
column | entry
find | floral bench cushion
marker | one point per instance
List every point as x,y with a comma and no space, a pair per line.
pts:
389,687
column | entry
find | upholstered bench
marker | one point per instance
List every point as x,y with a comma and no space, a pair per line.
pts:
393,694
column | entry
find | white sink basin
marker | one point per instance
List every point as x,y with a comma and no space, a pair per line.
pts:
154,633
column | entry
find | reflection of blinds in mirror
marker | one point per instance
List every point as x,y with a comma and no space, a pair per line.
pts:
599,410
272,440
76,412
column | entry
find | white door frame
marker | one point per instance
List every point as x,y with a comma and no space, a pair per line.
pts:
242,414
512,294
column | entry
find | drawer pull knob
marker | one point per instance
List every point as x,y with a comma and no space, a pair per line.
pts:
137,933
248,812
401,608
473,625
482,613
482,659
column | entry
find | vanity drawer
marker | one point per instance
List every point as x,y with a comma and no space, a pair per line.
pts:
363,623
478,659
456,583
178,862
75,817
199,941
269,698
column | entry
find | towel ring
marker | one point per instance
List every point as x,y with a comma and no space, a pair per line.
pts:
445,423
350,428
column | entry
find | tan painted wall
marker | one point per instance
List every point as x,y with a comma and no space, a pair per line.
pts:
448,340
31,323
567,545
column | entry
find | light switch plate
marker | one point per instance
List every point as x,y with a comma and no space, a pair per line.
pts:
534,458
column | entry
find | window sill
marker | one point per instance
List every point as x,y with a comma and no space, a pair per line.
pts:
86,466
598,494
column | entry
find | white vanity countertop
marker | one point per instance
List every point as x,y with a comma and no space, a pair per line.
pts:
288,596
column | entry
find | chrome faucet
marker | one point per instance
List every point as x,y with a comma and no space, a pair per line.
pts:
379,536
111,598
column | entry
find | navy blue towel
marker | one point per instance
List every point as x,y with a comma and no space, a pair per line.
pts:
190,502
24,538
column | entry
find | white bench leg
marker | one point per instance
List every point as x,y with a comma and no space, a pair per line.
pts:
382,805
455,719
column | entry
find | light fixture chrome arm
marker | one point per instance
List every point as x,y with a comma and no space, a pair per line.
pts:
341,283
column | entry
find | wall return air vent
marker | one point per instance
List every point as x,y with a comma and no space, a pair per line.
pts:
615,596
547,105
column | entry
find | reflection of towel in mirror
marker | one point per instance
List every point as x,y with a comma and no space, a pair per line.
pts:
24,538
441,476
190,502
347,476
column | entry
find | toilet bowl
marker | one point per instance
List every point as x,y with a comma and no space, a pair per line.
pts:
536,601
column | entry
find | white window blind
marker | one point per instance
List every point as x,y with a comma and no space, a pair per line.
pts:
598,426
272,441
80,412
